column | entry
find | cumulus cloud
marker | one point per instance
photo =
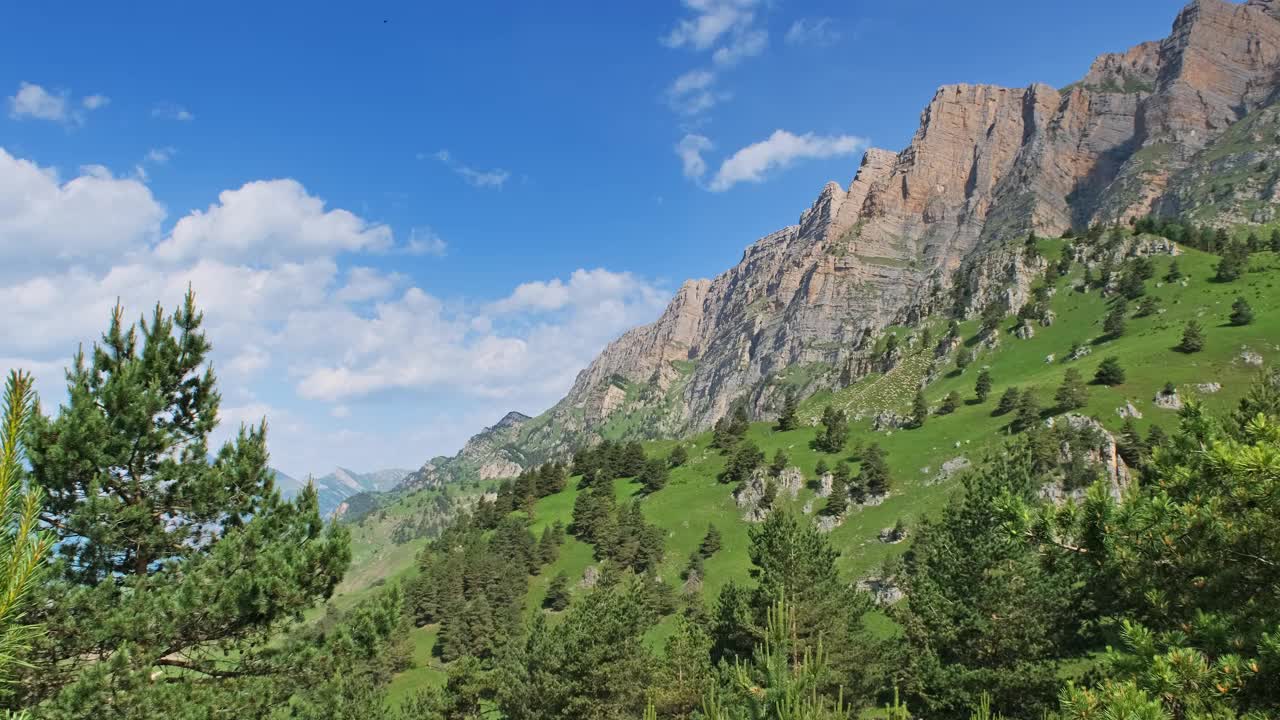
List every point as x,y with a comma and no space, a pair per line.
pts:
813,32
690,149
492,179
93,217
295,312
753,162
93,102
33,101
271,219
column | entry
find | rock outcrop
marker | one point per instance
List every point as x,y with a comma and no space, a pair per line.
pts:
938,226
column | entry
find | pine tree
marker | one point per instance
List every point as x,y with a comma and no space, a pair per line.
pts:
787,419
557,597
1275,240
950,403
982,388
710,544
742,463
686,675
1114,324
1008,402
739,423
1131,286
1233,264
874,475
820,468
23,547
1073,394
1241,313
149,526
653,475
838,499
1175,272
919,410
1149,305
1027,414
679,456
835,430
1192,338
779,463
1109,372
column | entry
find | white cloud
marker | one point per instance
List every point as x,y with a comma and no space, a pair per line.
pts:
268,219
290,325
547,331
693,93
813,32
731,24
365,283
93,102
748,43
690,149
92,217
33,101
171,111
781,149
711,20
495,178
159,156
425,241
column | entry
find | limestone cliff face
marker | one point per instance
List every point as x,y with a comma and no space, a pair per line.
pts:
986,166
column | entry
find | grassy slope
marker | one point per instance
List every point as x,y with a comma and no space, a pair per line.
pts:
694,498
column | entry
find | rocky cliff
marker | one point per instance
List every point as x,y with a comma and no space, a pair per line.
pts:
1151,129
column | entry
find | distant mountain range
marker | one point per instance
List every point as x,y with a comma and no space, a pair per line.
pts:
337,486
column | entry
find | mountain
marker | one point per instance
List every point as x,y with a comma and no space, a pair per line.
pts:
335,488
1187,126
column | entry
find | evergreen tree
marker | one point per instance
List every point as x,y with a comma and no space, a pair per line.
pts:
982,388
686,675
679,456
653,475
919,410
1073,394
820,468
1275,240
23,547
874,474
710,544
739,423
1008,402
1131,286
983,615
1233,264
835,430
838,499
1113,326
787,419
1109,372
594,664
1241,313
950,403
147,525
779,463
1027,414
1149,305
558,595
742,463
1175,272
1192,338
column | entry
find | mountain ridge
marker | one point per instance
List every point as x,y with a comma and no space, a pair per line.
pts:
1146,131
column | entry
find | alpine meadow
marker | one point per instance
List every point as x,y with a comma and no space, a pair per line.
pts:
991,431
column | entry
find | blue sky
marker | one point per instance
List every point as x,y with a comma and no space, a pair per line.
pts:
405,219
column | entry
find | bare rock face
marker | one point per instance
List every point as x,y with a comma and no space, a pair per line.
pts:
486,455
938,226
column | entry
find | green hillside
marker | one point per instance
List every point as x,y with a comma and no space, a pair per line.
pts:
694,498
